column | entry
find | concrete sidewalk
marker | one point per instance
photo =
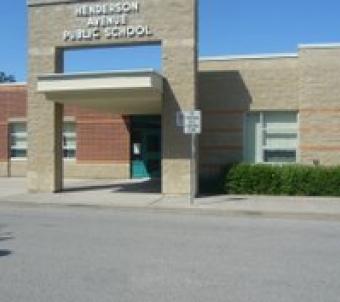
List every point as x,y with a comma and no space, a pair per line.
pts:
142,195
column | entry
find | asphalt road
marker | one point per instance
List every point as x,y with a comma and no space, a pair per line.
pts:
81,254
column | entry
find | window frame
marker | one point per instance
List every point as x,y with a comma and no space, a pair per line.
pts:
261,148
11,135
72,135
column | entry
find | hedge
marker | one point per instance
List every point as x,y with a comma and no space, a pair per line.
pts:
291,180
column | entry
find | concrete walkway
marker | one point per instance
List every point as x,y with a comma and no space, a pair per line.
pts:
143,195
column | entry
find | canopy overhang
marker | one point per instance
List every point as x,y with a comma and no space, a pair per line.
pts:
120,92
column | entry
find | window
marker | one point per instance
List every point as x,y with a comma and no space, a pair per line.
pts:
69,140
18,138
271,137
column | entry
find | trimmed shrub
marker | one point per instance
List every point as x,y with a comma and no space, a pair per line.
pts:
294,180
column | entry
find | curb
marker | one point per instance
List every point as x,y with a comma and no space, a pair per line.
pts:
186,210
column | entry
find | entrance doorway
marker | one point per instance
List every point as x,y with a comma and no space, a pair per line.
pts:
145,147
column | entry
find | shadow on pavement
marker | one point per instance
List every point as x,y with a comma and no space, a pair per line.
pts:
147,186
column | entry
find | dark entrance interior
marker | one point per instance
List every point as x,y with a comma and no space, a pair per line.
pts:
146,147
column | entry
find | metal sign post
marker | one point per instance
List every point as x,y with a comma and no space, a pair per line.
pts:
192,169
192,123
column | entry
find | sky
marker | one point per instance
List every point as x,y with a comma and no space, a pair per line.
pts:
226,27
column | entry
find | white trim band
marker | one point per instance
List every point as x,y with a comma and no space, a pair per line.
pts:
13,84
324,45
249,57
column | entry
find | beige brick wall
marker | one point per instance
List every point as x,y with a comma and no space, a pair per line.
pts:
17,168
320,105
73,169
231,88
173,23
89,170
309,84
250,84
3,169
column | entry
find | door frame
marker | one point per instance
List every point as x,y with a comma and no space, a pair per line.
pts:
146,125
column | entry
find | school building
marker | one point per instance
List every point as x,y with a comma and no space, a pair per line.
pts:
273,108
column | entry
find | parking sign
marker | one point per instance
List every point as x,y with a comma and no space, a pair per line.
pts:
192,122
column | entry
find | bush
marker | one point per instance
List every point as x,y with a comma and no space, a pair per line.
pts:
294,180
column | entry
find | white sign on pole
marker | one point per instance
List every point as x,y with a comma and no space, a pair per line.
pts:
192,122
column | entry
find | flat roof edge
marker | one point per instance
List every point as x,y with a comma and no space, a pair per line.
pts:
31,3
14,84
319,46
249,57
100,74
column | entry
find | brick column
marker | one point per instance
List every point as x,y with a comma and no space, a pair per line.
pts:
45,121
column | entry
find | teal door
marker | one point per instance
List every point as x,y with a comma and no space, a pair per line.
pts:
146,153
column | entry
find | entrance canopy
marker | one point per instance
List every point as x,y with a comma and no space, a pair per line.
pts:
121,92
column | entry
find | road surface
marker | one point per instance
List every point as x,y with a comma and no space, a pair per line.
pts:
78,254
